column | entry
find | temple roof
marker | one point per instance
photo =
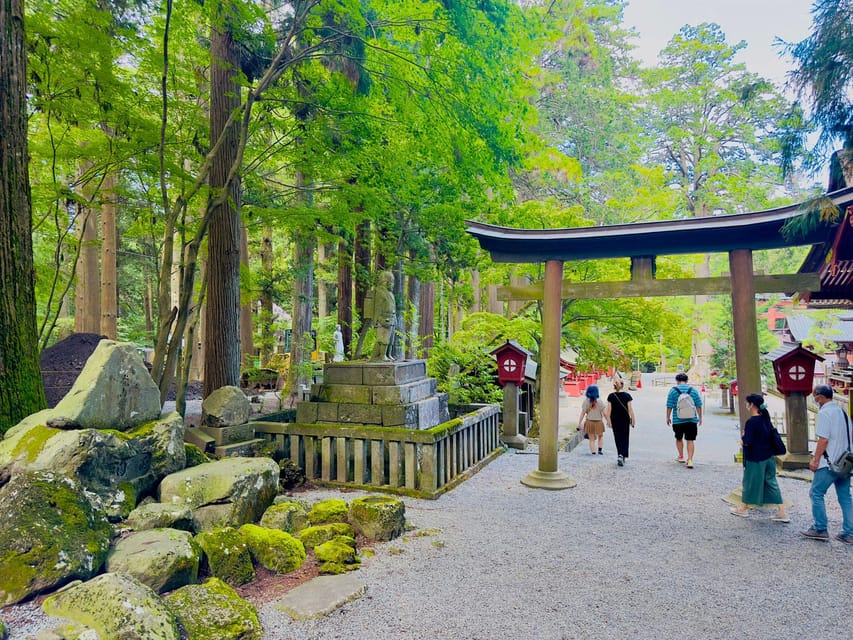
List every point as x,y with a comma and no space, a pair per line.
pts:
715,234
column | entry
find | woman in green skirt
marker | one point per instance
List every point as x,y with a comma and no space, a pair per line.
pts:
759,463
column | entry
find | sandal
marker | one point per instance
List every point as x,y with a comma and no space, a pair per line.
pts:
783,520
739,513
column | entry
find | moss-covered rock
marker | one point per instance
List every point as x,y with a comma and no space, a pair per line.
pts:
116,606
378,517
194,455
156,515
115,467
287,516
214,611
325,511
337,555
50,534
273,549
227,406
312,536
248,485
226,555
163,559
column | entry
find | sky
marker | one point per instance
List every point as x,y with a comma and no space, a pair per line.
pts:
758,22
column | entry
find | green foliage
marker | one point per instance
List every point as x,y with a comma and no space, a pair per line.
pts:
466,374
824,73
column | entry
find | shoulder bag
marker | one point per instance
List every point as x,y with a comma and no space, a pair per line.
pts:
777,445
843,466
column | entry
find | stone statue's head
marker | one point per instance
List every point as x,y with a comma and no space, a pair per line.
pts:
386,279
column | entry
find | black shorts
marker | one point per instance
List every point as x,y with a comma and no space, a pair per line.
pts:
685,430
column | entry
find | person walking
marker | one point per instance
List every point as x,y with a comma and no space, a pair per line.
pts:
759,464
619,416
592,419
832,429
684,415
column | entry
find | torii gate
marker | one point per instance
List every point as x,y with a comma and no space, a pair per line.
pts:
738,234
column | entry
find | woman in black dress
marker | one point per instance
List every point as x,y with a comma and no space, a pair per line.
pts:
619,415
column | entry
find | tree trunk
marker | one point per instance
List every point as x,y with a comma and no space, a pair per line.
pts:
412,325
109,247
398,346
426,318
222,311
362,266
266,319
87,312
345,292
246,331
299,377
21,389
322,285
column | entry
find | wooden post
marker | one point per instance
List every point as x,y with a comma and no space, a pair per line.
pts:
745,330
548,476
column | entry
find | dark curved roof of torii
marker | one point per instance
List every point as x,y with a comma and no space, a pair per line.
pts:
715,234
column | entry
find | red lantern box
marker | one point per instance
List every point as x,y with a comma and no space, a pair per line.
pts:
512,361
793,367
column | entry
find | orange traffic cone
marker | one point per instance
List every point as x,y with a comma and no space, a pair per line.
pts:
639,382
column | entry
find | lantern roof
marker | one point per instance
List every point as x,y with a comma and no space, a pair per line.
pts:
790,348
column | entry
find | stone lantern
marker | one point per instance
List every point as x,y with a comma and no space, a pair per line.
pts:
794,367
512,361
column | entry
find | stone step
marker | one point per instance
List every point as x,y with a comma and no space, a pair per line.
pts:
374,373
239,449
230,434
320,596
199,438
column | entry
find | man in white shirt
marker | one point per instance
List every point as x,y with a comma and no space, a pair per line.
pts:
832,430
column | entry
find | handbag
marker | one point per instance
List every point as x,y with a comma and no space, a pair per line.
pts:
776,444
843,466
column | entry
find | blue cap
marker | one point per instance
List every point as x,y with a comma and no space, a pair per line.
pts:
592,392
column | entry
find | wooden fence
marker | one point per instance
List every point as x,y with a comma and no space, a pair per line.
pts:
423,463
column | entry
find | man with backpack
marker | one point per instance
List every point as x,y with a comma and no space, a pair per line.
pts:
684,414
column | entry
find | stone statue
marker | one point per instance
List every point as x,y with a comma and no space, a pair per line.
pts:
384,316
339,344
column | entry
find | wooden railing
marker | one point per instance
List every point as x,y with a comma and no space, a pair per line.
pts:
422,463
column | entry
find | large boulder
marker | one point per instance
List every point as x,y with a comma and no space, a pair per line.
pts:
156,515
226,555
50,534
118,607
287,516
163,559
116,467
273,549
326,511
313,536
225,407
114,391
247,485
378,517
214,610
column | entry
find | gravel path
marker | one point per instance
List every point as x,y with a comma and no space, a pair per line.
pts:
644,551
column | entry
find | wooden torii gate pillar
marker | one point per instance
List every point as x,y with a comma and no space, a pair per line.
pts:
548,476
741,285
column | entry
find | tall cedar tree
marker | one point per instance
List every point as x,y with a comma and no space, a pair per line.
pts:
21,389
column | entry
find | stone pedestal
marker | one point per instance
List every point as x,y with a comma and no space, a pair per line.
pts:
377,394
797,429
510,435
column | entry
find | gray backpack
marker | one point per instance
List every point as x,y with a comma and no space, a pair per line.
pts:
685,407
